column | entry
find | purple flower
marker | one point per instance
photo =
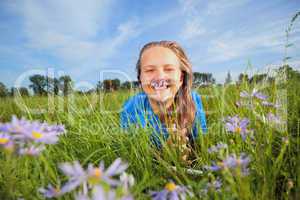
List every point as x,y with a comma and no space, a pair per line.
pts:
4,138
32,131
254,93
216,148
215,184
32,150
50,191
29,137
100,194
127,181
93,175
100,174
76,175
269,104
259,95
236,125
171,192
232,162
273,118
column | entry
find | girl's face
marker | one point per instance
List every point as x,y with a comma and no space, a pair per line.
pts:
161,75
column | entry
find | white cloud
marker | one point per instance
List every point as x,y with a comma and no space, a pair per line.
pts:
217,7
197,12
193,26
248,42
69,30
192,29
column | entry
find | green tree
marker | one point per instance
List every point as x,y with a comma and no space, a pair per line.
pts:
126,85
38,84
3,90
23,91
202,79
228,79
66,85
243,78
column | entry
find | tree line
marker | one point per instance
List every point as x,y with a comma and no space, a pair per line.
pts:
44,85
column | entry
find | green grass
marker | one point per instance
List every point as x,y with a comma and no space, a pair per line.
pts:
95,135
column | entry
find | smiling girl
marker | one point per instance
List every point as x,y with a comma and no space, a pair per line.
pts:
167,103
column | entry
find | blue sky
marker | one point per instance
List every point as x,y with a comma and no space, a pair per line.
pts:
85,38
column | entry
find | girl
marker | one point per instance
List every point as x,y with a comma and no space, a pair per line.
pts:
167,103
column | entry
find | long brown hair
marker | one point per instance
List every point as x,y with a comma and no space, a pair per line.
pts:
185,108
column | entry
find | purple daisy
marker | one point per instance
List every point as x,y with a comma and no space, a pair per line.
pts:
274,118
76,175
93,175
236,125
4,139
50,191
232,162
100,194
32,131
255,93
32,150
29,137
216,148
171,192
96,174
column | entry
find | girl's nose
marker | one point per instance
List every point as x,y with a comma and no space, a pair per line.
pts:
160,74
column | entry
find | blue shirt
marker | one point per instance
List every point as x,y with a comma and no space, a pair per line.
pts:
138,111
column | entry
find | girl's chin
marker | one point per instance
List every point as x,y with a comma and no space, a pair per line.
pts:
161,96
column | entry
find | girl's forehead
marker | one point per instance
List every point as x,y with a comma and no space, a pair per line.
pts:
159,56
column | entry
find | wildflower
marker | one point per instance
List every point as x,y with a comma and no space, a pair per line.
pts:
29,137
214,185
50,191
24,130
4,138
237,125
75,173
171,192
32,150
98,173
127,181
93,175
273,118
100,194
217,148
269,104
254,93
232,162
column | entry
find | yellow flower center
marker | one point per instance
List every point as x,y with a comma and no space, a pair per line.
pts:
56,190
238,129
170,186
3,140
95,176
36,135
97,173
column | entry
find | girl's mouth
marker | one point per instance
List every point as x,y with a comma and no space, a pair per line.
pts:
161,84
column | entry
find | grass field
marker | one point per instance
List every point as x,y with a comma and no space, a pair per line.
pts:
267,169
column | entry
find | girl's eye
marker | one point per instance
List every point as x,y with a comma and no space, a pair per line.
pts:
149,70
169,69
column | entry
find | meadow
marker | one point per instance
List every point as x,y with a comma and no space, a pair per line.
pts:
251,149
